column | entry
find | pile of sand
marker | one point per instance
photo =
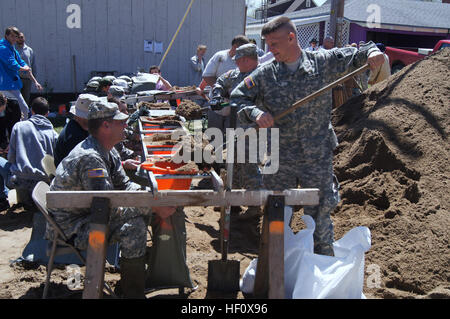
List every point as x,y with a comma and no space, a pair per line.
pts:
393,165
189,110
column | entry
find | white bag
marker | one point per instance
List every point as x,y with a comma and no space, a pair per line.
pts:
247,283
338,277
310,276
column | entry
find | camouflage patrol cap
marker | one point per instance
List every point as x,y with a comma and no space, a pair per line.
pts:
116,91
93,84
248,49
105,82
103,110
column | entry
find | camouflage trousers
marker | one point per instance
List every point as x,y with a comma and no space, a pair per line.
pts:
127,226
308,173
247,175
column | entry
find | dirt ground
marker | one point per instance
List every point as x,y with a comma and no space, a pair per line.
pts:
393,167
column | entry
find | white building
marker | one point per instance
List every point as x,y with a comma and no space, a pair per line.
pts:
109,35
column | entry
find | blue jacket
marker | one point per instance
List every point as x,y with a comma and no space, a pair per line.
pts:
10,64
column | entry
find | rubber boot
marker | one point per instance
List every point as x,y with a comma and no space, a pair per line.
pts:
132,278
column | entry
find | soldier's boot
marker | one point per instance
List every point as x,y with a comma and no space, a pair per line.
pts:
251,212
132,278
324,249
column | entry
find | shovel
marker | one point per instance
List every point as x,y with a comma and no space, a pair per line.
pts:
305,100
223,275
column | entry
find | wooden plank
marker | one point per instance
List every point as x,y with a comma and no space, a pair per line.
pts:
83,199
275,212
96,252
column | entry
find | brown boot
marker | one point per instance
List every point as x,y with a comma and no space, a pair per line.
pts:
132,278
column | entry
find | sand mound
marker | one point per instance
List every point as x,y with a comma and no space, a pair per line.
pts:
393,165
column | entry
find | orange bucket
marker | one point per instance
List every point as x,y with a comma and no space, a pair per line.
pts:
168,168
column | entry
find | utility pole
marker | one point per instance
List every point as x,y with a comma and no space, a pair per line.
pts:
336,21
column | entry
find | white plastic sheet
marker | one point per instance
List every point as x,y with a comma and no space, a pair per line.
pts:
312,276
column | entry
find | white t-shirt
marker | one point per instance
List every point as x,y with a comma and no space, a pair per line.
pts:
220,63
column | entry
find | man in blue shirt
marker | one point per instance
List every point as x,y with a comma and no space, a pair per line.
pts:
10,65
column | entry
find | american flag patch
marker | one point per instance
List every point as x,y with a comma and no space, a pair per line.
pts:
96,173
249,82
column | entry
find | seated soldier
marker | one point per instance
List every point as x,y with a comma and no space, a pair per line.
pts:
76,130
30,141
94,164
129,157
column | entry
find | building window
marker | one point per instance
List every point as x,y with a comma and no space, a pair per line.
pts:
308,3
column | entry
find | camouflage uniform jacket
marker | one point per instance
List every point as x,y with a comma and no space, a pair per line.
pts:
273,88
87,167
228,81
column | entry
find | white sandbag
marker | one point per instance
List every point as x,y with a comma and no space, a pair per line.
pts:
338,277
144,82
247,283
295,245
311,276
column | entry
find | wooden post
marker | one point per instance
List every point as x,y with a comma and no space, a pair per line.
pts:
276,246
261,287
96,252
333,19
269,278
339,41
336,16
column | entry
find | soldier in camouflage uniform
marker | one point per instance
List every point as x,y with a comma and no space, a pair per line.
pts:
245,175
94,164
307,138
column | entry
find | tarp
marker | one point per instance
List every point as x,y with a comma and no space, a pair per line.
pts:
36,249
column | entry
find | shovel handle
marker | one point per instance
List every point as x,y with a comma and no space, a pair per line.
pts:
312,96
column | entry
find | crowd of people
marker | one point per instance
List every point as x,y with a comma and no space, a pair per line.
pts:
89,153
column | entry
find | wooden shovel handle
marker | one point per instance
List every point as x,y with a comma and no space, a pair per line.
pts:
312,96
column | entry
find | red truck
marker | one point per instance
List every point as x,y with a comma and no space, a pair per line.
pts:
399,58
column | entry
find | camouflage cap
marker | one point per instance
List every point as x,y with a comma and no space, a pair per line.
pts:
105,82
103,110
248,49
116,91
93,84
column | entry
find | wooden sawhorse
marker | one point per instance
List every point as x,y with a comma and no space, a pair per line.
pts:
270,272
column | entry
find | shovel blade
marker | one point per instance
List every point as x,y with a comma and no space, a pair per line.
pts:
223,275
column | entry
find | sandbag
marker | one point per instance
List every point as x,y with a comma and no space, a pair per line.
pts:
143,82
167,259
311,276
338,277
